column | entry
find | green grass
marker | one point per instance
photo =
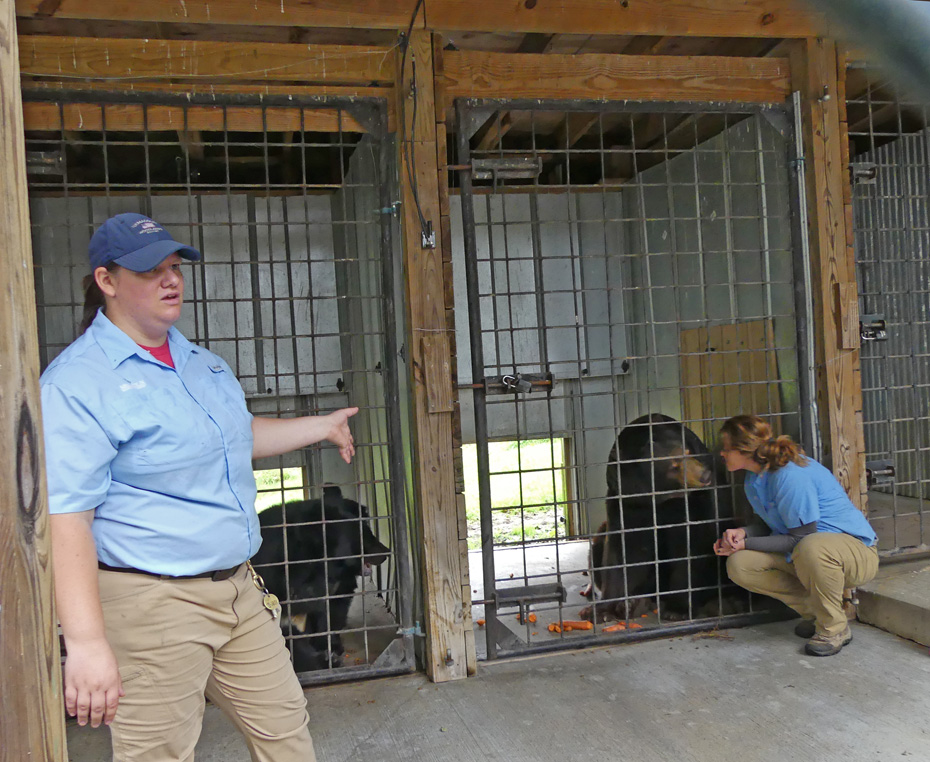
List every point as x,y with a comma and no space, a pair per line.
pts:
273,490
528,490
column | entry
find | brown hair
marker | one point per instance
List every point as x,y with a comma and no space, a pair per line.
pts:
93,298
752,436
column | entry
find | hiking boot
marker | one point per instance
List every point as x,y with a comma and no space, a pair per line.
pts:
826,645
805,629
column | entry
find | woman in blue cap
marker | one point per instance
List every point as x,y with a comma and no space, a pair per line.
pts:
149,446
814,541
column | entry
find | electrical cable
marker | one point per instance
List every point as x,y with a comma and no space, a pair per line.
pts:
426,231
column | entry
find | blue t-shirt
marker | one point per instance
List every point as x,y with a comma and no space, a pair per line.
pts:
796,495
162,455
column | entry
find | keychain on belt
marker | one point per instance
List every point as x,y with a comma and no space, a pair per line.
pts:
269,600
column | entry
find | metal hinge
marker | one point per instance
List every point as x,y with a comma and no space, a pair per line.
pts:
872,328
878,472
393,209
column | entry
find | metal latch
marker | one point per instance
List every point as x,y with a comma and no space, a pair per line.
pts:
872,328
878,472
514,383
45,163
507,168
863,173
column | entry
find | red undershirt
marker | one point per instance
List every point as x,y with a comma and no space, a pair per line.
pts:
162,353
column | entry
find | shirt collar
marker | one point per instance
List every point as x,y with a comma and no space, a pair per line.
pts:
118,346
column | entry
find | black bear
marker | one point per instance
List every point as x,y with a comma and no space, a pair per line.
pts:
329,545
661,514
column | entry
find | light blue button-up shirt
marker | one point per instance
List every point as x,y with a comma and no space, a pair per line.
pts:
796,495
161,455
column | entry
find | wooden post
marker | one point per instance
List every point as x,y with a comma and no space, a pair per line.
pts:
836,351
447,613
32,721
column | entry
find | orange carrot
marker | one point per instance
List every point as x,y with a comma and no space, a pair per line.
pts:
615,627
532,618
580,624
635,626
479,622
554,628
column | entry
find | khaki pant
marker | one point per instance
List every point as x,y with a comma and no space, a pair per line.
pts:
812,583
178,640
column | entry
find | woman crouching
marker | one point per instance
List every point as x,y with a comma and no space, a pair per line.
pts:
815,542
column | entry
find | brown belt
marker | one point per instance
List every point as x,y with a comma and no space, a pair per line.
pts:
216,576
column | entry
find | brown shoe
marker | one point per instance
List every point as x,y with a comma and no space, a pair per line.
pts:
825,645
805,629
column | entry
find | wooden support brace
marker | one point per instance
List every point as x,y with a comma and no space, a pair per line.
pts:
836,353
449,646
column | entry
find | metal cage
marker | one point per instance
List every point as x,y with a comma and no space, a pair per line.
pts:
889,145
616,260
289,201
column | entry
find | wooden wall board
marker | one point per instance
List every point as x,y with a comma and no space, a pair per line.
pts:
707,18
728,370
373,14
122,60
32,722
616,77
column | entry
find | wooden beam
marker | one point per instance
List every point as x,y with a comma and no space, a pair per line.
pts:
320,91
839,386
609,77
490,133
136,118
447,642
32,723
685,18
574,127
370,14
118,59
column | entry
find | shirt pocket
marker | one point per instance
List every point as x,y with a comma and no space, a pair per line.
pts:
227,402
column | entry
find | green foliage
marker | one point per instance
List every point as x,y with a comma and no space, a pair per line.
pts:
528,490
272,489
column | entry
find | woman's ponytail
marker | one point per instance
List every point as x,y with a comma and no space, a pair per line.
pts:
93,298
751,435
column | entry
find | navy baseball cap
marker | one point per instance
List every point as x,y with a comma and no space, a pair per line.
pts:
135,242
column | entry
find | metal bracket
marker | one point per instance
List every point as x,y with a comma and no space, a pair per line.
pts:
872,328
428,236
878,472
863,173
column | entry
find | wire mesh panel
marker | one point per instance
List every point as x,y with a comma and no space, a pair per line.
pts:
295,290
627,277
890,155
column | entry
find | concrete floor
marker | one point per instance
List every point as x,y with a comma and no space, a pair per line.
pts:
747,695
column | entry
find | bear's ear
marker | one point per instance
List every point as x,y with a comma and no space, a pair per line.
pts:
331,492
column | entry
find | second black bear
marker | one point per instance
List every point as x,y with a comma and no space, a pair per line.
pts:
329,545
661,514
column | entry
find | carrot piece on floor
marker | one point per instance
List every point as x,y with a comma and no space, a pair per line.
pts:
635,626
479,622
615,627
554,628
581,624
532,618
